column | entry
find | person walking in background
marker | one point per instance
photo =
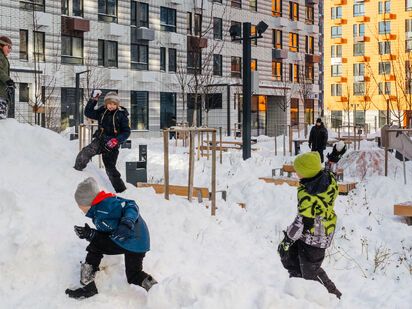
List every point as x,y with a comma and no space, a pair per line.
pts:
6,83
318,138
113,130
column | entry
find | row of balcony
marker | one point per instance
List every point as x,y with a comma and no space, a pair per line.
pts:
361,78
363,38
284,54
360,98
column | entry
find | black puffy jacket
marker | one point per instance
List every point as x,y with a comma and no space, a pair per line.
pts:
111,124
318,137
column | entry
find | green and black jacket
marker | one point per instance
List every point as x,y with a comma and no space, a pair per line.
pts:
4,74
316,219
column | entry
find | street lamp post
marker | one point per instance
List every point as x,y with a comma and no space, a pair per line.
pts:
78,111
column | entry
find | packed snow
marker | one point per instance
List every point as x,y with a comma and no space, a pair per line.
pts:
200,261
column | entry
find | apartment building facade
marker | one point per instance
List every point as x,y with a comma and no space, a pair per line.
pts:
367,52
165,59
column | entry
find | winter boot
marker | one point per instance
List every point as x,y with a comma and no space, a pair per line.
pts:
87,273
336,292
86,291
148,282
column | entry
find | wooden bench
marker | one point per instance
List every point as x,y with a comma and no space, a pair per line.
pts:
344,187
217,148
199,192
404,210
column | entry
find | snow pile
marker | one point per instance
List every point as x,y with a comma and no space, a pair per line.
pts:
227,261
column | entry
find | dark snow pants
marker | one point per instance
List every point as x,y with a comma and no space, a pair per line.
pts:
102,244
305,261
109,160
3,108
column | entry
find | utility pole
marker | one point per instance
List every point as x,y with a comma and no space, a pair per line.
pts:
247,92
78,110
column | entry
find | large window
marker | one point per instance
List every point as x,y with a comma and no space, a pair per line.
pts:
162,58
359,49
253,5
277,38
359,9
277,68
37,5
213,101
310,72
24,95
336,119
384,7
24,44
72,50
217,64
384,87
167,19
336,32
309,110
293,42
358,69
239,26
108,10
236,4
336,12
384,27
293,11
336,90
336,51
172,60
336,70
358,30
139,110
39,45
217,28
198,24
408,5
139,14
236,67
107,53
167,109
384,68
294,72
277,8
294,111
76,5
384,48
194,62
140,56
310,14
310,44
359,88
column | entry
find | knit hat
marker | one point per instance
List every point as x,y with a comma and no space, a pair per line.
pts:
86,192
4,40
308,164
319,120
112,97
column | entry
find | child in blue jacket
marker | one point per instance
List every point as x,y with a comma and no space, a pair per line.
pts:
119,230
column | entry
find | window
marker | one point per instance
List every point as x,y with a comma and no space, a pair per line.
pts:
310,72
194,62
189,23
162,58
217,64
167,19
253,64
359,117
359,88
198,24
384,87
336,51
236,67
38,45
72,50
359,9
24,92
293,11
108,11
236,4
253,33
293,72
359,49
309,44
336,119
217,28
336,32
358,69
408,5
139,56
239,25
309,110
358,30
277,8
336,90
384,27
384,48
277,67
76,5
336,12
384,68
408,45
139,110
36,5
139,14
24,45
384,7
167,109
294,111
336,70
172,60
293,42
213,101
277,39
253,5
310,14
408,25
107,51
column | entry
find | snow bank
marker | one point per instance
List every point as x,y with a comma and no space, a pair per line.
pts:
227,261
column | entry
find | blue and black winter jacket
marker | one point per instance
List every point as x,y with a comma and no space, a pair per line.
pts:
106,212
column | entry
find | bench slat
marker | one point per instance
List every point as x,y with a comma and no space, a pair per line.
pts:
175,189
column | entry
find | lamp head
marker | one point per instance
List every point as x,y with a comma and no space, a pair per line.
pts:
261,27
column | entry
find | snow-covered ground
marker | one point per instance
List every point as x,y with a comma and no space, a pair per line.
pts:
226,261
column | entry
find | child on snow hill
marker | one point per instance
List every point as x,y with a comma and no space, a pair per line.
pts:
113,130
119,230
303,248
339,149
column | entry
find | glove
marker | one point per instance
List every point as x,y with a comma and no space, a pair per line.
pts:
84,232
124,231
96,94
285,244
112,143
10,83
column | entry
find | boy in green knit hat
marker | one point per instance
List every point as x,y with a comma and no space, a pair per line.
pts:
303,248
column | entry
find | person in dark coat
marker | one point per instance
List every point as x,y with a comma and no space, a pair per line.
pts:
120,229
6,83
318,138
113,130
